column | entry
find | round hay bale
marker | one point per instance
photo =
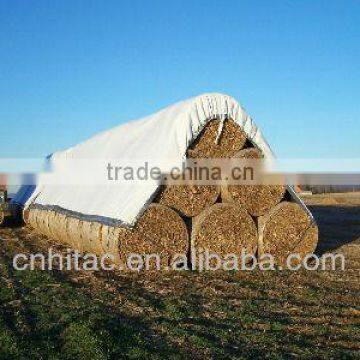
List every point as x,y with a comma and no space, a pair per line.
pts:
285,230
232,140
257,199
224,229
160,231
188,200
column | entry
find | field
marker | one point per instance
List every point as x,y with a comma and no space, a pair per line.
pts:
109,315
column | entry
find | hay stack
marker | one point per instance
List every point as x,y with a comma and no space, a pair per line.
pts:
48,223
192,200
36,220
224,229
257,199
308,242
287,229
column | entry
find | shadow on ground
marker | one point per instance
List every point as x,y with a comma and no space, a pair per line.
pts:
338,225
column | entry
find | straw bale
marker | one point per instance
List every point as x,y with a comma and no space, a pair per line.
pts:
160,230
37,220
285,230
232,140
188,200
224,229
257,199
191,200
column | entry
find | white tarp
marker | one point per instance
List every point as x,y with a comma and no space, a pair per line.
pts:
164,135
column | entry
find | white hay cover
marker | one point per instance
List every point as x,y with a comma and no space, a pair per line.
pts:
163,135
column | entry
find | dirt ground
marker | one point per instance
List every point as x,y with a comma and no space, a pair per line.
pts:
234,315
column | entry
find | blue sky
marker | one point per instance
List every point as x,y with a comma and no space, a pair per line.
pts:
69,69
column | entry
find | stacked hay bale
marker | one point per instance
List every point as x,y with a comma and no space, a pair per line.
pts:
248,216
223,229
257,199
287,229
160,230
192,200
225,219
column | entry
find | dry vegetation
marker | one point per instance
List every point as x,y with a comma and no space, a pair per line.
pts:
102,315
